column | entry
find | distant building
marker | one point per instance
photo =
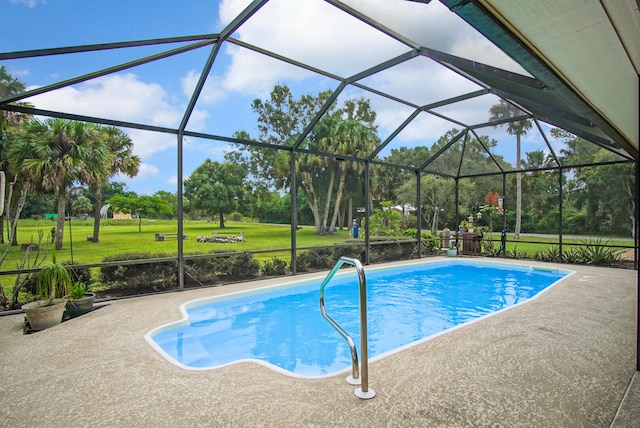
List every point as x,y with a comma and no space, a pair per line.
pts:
122,216
404,210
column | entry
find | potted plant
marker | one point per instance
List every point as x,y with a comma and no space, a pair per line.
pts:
51,286
80,301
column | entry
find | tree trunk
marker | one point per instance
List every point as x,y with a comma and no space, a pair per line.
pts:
327,205
96,216
342,219
336,209
14,241
60,225
434,221
350,211
312,201
630,191
12,226
516,233
222,220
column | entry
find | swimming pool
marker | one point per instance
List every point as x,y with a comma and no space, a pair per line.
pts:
282,326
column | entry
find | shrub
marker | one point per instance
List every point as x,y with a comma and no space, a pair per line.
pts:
139,278
235,216
160,276
353,251
392,252
80,274
385,222
549,254
572,255
321,258
385,252
515,254
490,248
430,243
597,252
242,266
275,266
303,263
202,270
326,258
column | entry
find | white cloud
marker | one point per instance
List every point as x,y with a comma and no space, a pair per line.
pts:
147,171
173,180
118,96
312,32
205,148
211,92
29,3
229,9
146,144
124,97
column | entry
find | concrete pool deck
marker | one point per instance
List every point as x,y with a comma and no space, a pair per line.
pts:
565,359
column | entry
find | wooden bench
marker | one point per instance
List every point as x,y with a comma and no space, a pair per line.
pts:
165,236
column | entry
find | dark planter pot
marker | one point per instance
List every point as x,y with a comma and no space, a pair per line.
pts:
77,307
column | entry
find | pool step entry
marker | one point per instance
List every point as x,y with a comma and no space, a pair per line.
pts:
359,373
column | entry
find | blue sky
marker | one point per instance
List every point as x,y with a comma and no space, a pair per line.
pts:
310,31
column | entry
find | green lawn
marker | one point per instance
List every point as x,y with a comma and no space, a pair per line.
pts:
529,245
120,236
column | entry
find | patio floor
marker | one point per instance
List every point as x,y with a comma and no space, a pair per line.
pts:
566,358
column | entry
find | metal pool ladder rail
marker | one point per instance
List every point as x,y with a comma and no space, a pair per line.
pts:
358,376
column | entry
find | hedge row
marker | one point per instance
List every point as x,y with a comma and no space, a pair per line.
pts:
124,280
199,270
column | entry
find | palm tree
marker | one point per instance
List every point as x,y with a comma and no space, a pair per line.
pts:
356,139
9,85
54,154
9,121
82,205
121,160
505,110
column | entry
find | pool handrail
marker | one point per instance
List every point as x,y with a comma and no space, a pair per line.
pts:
363,392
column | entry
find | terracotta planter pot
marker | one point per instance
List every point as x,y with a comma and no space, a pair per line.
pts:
77,307
41,315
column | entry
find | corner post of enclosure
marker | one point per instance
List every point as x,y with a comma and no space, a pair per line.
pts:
180,215
635,252
636,227
457,209
504,205
419,213
560,200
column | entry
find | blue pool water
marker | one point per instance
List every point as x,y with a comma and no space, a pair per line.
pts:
282,326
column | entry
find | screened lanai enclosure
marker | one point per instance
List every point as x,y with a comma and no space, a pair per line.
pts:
510,116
